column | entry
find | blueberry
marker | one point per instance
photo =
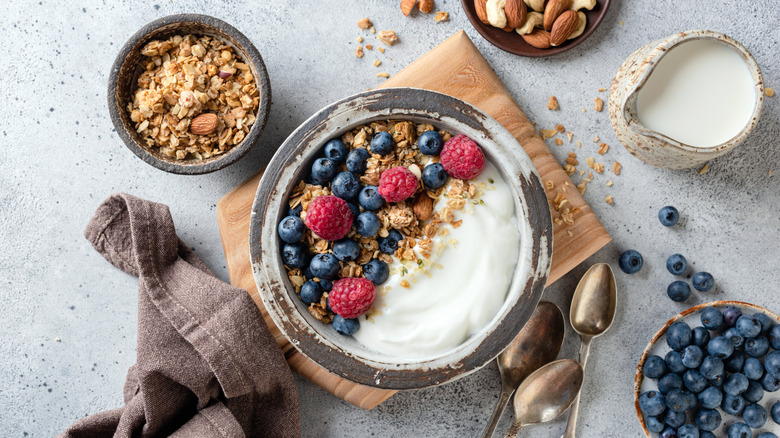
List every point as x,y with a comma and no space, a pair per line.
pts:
294,255
701,337
757,347
678,336
377,271
711,318
775,412
367,224
754,415
774,337
324,266
346,250
765,321
772,363
652,403
630,261
712,368
669,432
654,424
752,368
735,384
676,264
688,431
434,176
748,326
344,326
323,170
678,291
356,160
710,398
734,363
694,381
740,430
346,186
764,435
669,382
311,292
692,356
674,419
335,150
370,199
734,336
733,404
754,393
430,143
669,216
770,383
706,434
702,281
382,143
295,211
730,315
655,367
292,229
707,419
326,285
673,361
389,244
721,347
678,400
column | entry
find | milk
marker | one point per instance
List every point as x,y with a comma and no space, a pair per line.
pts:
459,289
700,94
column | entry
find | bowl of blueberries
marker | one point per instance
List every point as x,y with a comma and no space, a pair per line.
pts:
712,370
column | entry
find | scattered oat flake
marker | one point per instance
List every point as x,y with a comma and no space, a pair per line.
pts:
372,30
381,49
548,133
603,148
369,47
609,199
383,75
551,185
58,339
704,169
377,63
616,168
552,104
610,183
441,16
569,233
579,144
558,141
570,135
359,52
582,172
598,104
359,39
596,139
560,128
602,89
769,173
364,23
591,162
769,91
582,187
584,110
599,168
388,37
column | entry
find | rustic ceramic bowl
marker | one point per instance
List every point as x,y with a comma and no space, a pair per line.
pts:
127,68
655,148
657,346
513,43
343,355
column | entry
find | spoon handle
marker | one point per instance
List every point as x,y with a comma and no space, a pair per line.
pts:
514,430
571,426
500,406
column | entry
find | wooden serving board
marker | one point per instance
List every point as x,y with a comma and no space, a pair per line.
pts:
455,67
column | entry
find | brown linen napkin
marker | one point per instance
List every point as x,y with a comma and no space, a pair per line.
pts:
206,364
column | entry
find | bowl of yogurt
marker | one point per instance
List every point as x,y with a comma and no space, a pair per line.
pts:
455,297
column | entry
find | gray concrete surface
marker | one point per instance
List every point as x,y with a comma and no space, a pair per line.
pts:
61,157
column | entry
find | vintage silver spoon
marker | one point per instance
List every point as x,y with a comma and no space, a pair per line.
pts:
592,311
538,343
546,393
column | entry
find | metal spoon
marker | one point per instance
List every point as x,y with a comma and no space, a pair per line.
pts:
538,343
546,393
592,311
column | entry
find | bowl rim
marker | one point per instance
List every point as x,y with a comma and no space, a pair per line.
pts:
524,49
269,273
258,70
639,376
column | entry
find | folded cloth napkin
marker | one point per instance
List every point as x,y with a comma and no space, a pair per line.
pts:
206,365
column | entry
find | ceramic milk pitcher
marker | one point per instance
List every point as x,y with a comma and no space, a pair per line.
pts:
653,147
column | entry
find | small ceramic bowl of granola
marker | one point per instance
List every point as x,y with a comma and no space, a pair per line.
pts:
189,94
427,239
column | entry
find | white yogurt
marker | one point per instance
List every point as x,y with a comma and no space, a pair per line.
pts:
459,289
701,94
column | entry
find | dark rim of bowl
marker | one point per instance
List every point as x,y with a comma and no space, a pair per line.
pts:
513,43
275,292
125,68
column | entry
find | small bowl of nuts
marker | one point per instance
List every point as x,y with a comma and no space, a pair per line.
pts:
535,28
189,94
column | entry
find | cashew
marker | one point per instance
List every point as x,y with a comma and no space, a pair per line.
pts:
496,14
580,26
534,19
536,5
580,4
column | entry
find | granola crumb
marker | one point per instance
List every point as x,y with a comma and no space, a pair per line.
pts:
381,49
769,91
404,283
552,104
58,339
377,63
359,52
584,110
609,199
704,169
598,104
603,148
591,162
548,133
388,37
610,183
599,168
579,144
369,47
569,232
558,141
372,30
596,139
551,185
570,136
383,74
616,168
359,39
602,89
582,187
769,173
560,128
621,22
442,16
364,23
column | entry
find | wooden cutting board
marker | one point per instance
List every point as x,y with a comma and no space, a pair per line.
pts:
455,67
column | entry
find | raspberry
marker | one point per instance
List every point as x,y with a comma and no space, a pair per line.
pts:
351,297
397,184
329,217
462,158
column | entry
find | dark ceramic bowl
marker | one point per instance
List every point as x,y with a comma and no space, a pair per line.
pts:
343,355
127,68
512,42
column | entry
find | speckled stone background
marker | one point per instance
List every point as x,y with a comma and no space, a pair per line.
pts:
61,157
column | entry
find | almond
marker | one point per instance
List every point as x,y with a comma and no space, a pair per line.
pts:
515,11
423,207
539,38
426,6
204,124
564,26
481,7
553,10
407,6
